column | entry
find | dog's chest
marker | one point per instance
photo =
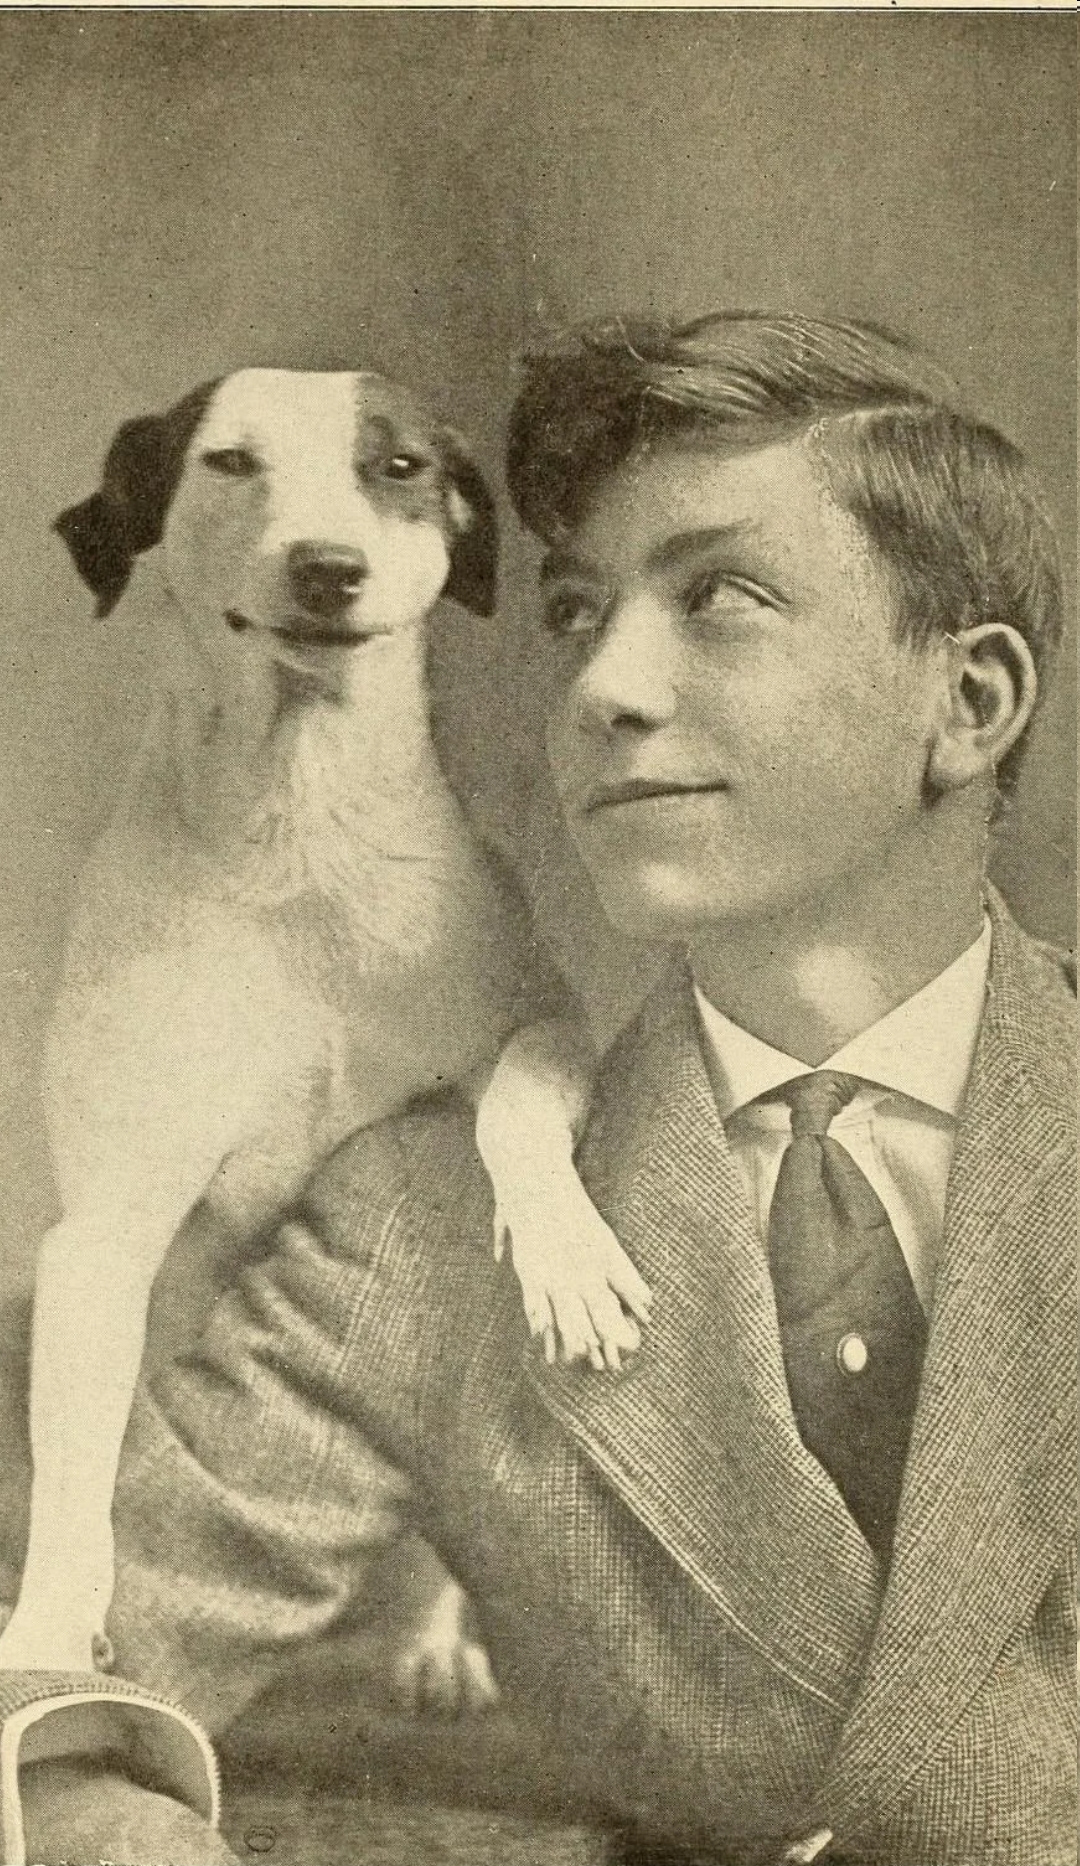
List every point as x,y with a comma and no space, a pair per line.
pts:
351,953
356,1039
415,968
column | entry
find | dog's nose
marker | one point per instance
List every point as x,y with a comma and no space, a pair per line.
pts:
325,578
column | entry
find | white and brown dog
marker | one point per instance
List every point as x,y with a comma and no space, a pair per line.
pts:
288,930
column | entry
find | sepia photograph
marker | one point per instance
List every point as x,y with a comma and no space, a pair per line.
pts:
537,936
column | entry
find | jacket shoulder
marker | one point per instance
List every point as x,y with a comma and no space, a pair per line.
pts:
1033,1003
1051,977
416,1173
402,1214
1058,964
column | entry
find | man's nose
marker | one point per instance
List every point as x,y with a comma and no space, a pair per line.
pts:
325,578
629,679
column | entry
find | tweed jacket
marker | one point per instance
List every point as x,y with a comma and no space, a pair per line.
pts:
659,1566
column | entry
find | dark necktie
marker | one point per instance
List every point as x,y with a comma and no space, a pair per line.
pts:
851,1326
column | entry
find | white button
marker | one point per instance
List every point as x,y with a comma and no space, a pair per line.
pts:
852,1354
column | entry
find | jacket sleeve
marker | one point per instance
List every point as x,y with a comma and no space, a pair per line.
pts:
250,1506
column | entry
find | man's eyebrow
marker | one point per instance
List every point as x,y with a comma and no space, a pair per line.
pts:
667,555
673,551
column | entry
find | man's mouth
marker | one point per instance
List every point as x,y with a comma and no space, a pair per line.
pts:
299,635
641,790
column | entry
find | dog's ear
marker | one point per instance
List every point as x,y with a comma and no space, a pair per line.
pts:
106,532
103,532
474,528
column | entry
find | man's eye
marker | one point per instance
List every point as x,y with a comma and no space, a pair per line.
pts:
233,462
721,590
572,613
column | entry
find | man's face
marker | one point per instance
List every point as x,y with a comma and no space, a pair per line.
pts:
737,734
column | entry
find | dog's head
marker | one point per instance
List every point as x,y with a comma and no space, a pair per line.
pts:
309,512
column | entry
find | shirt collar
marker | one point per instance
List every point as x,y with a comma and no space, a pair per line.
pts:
923,1048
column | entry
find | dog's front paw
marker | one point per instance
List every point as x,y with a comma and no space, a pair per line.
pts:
440,1670
583,1297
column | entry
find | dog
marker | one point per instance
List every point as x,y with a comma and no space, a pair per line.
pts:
287,931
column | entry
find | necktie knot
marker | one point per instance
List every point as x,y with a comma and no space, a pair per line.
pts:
816,1100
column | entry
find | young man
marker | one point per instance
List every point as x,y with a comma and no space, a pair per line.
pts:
797,1584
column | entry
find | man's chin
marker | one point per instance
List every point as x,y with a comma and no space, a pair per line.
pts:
661,906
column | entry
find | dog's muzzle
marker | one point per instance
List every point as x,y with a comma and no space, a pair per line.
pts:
324,582
325,579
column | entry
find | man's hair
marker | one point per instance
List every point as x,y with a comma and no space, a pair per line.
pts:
950,506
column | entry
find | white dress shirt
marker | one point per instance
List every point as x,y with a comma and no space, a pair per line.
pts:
900,1128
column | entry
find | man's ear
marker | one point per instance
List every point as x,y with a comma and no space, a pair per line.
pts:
106,532
992,690
473,528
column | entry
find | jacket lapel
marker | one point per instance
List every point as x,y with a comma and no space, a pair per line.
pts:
697,1434
989,1494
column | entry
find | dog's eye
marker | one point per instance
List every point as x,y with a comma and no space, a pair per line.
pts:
234,462
404,465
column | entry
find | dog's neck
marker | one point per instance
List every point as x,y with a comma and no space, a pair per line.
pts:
286,789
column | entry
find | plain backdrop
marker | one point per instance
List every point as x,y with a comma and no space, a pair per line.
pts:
181,193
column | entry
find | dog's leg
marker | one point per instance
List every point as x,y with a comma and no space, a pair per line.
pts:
94,1275
145,1103
581,1291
